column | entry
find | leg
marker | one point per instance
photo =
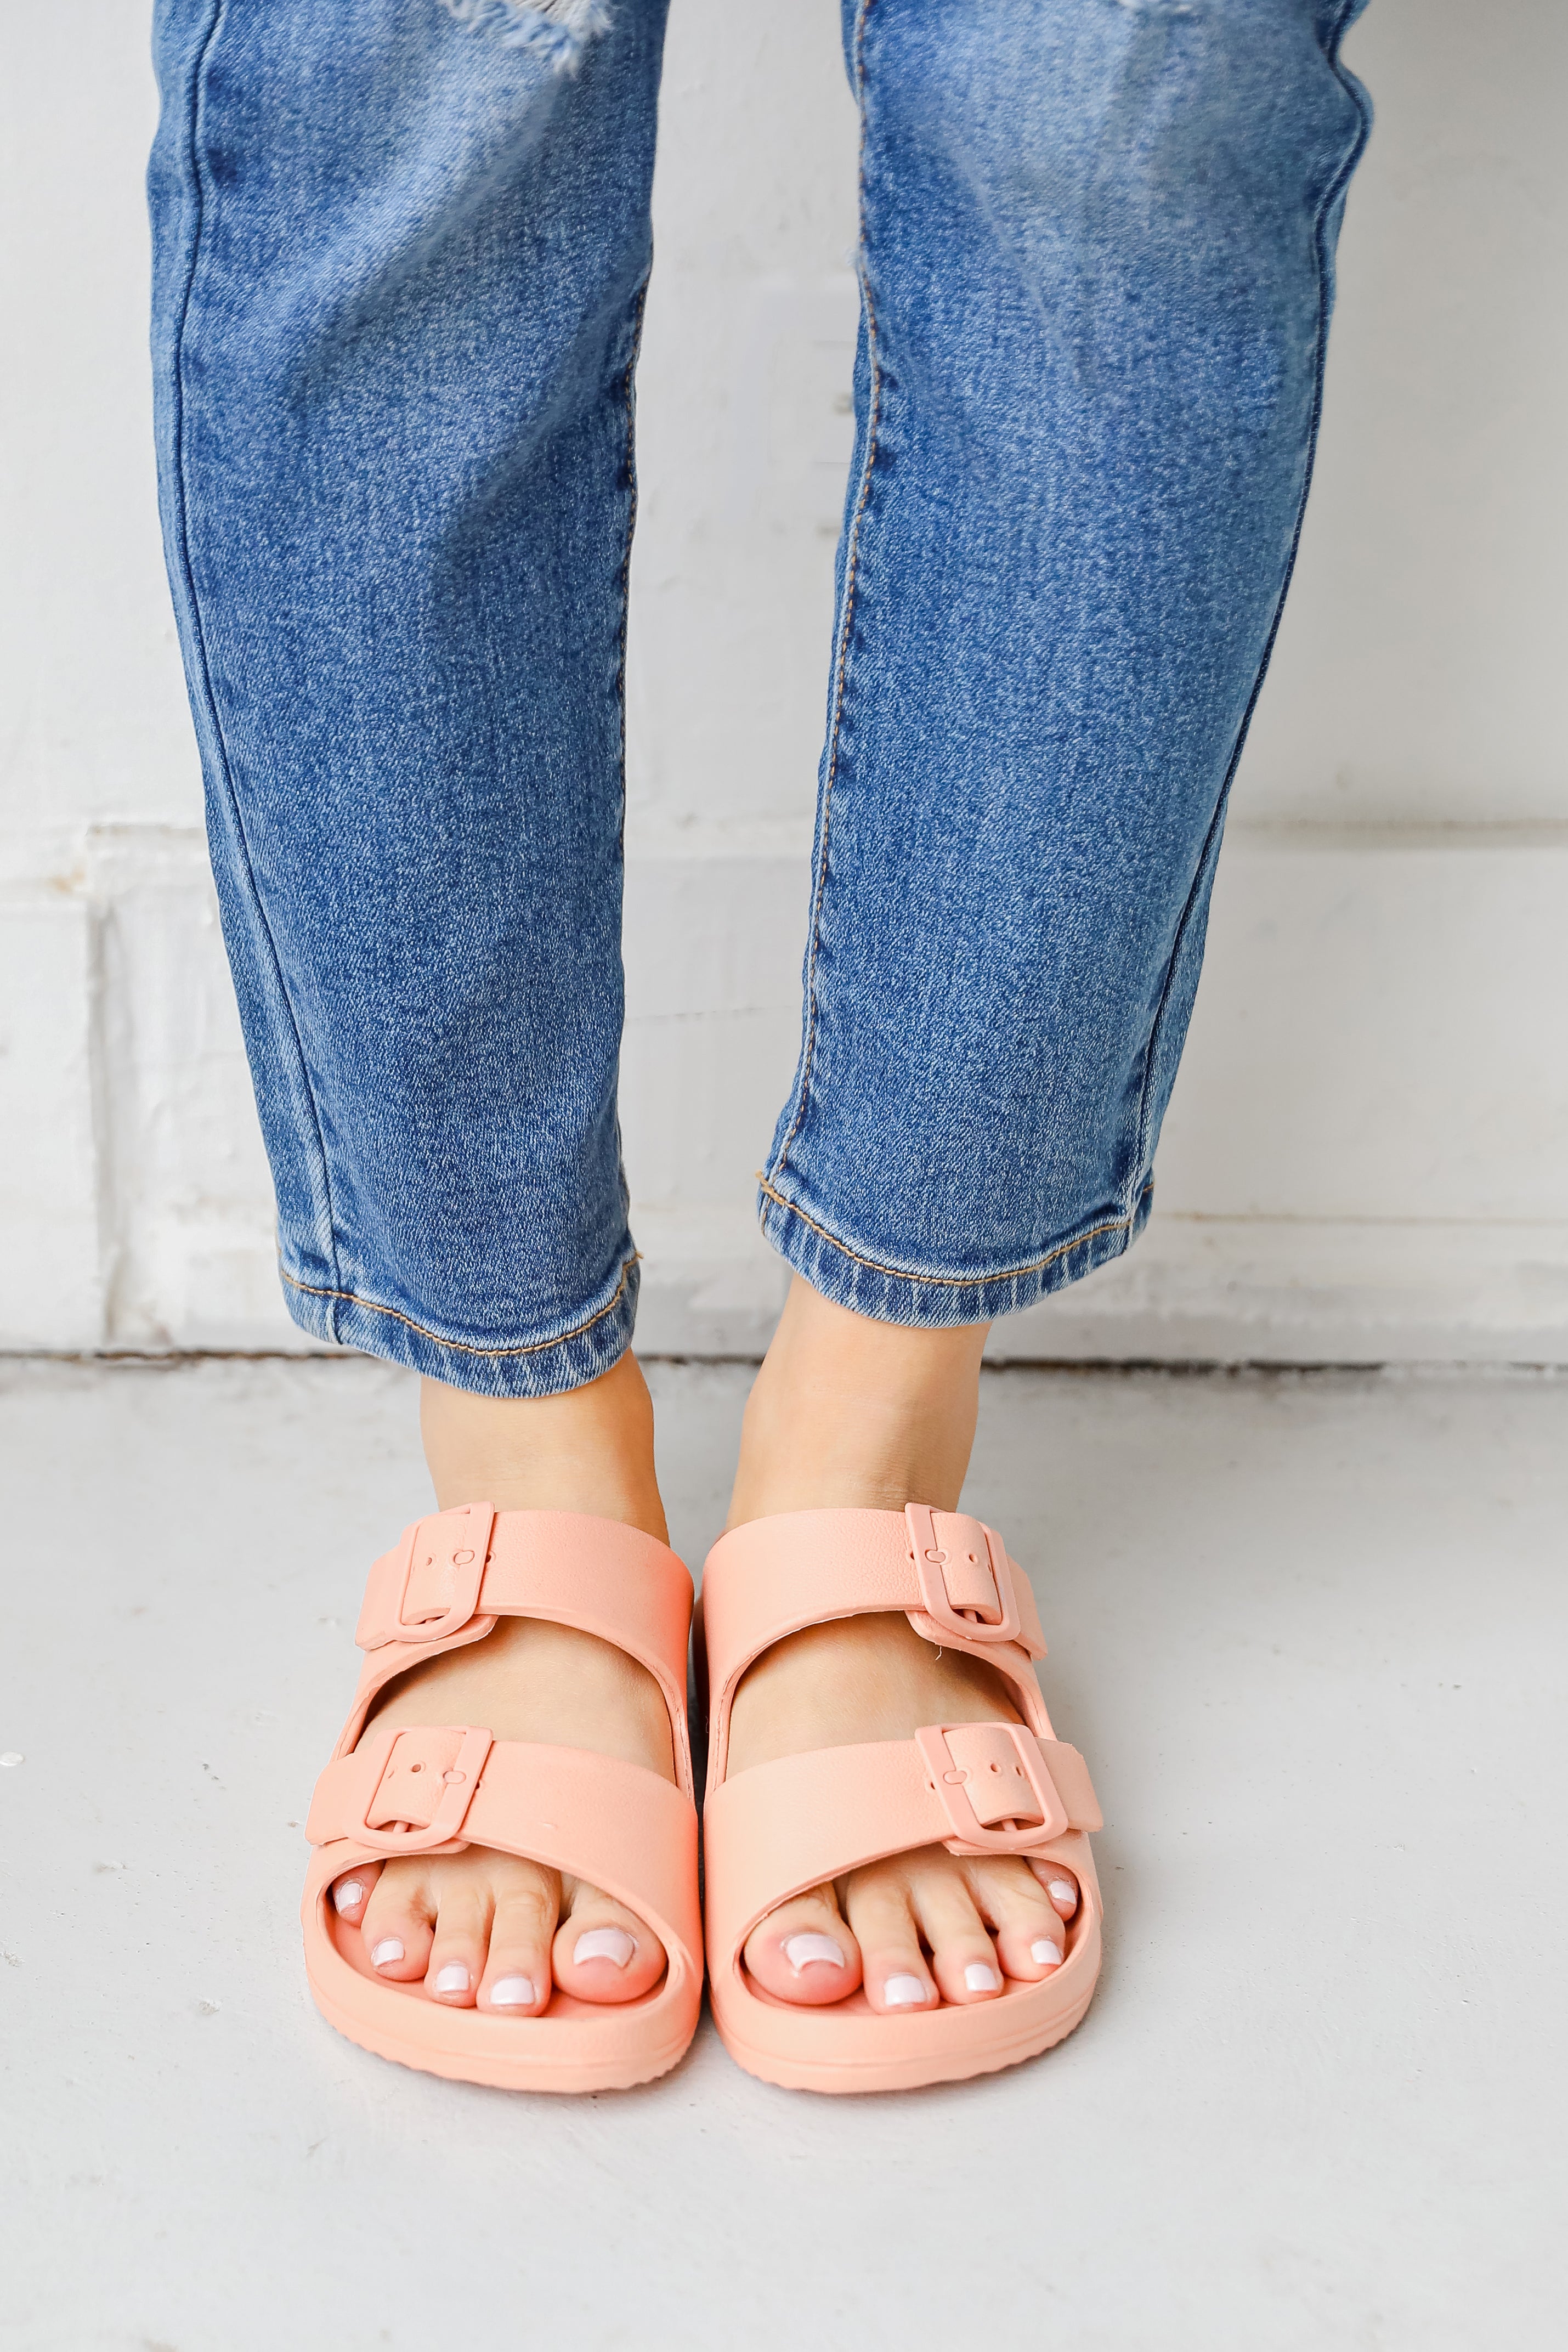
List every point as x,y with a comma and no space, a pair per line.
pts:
1097,269
398,283
400,259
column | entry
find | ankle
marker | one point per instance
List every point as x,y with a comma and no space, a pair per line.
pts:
589,1449
847,1413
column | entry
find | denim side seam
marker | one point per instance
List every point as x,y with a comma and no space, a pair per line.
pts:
629,400
524,1367
1207,860
851,558
899,1295
199,641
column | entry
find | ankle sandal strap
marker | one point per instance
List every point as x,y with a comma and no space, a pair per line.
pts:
451,1574
949,1574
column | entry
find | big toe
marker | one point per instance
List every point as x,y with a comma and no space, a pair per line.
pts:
804,1950
604,1952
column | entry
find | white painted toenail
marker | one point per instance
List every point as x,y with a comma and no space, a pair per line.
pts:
981,1979
513,1992
385,1953
1062,1890
451,1979
347,1894
605,1943
903,1992
802,1950
1048,1955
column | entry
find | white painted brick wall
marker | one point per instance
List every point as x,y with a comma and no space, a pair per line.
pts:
1367,1155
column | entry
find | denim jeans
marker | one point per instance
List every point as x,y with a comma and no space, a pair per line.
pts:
401,254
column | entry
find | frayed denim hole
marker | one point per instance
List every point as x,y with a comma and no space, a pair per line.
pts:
558,30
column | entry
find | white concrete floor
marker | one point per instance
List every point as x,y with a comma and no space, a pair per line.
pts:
1308,1631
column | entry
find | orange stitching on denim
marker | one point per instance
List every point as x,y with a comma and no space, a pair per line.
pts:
952,1281
852,560
529,1348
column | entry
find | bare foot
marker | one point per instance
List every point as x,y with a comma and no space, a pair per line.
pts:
489,1929
851,1414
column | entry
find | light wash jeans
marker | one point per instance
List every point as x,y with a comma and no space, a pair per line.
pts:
402,248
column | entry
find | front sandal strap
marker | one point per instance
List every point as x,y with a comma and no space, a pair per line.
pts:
778,1830
432,1787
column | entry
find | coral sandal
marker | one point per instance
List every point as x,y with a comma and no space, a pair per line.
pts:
778,1830
625,1829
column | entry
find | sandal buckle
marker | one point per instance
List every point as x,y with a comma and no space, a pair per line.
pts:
987,1608
428,1589
420,1799
991,1781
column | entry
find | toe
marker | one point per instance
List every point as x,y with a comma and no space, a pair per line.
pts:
1025,1913
1061,1885
352,1891
963,1959
397,1921
603,1951
464,1905
804,1950
876,1902
517,1979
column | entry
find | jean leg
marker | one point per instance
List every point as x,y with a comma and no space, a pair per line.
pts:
400,250
1096,266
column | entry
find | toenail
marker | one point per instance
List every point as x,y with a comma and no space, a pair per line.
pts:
513,1992
451,1979
903,1992
1048,1955
605,1943
981,1979
802,1950
1062,1890
385,1953
347,1894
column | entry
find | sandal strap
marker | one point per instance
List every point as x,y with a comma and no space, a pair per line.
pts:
476,1561
430,1788
453,1573
950,1574
778,1830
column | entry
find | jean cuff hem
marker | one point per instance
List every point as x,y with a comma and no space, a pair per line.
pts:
929,1301
520,1368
